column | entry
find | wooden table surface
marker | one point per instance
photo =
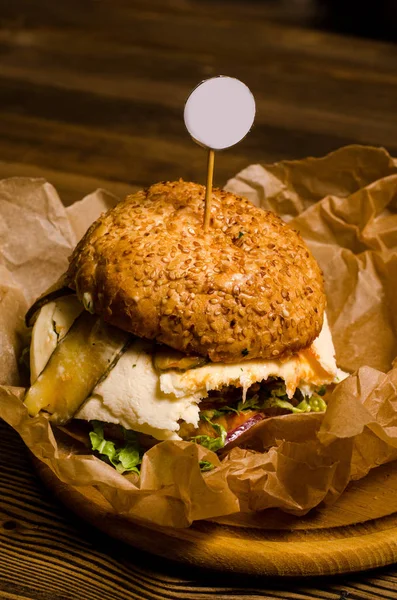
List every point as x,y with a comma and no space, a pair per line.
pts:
92,94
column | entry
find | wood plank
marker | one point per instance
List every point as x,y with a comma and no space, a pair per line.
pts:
127,72
295,106
286,116
71,187
115,147
172,7
100,153
324,50
148,26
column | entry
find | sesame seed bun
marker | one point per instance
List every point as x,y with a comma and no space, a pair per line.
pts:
249,288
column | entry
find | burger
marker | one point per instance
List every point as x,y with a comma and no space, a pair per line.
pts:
162,331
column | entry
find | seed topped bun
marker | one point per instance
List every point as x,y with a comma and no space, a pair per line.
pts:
249,288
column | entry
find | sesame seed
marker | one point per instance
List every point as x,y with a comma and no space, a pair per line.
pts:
137,240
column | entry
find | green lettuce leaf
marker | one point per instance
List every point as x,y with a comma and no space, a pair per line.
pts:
126,458
213,413
250,404
313,404
211,443
206,465
278,398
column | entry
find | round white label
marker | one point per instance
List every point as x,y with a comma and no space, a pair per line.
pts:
219,112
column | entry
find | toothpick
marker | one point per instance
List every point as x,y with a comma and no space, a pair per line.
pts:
215,128
208,191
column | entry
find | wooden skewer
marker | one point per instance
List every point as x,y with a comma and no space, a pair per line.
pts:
208,191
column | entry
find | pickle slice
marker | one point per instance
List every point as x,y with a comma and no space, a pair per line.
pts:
88,351
168,359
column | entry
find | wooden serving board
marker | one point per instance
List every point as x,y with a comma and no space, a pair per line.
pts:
358,532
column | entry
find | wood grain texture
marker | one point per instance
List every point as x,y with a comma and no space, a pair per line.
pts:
49,554
70,187
276,544
91,95
98,91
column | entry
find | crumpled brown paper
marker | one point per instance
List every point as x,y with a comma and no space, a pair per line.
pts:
345,206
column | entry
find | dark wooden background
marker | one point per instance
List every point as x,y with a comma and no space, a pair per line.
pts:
92,94
95,89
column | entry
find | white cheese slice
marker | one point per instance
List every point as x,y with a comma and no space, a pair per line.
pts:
136,397
131,396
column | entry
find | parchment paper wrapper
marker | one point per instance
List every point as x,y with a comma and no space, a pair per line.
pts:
345,206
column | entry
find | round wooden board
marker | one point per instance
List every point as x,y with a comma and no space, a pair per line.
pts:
358,532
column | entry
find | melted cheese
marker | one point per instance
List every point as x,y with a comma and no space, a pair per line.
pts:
306,370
